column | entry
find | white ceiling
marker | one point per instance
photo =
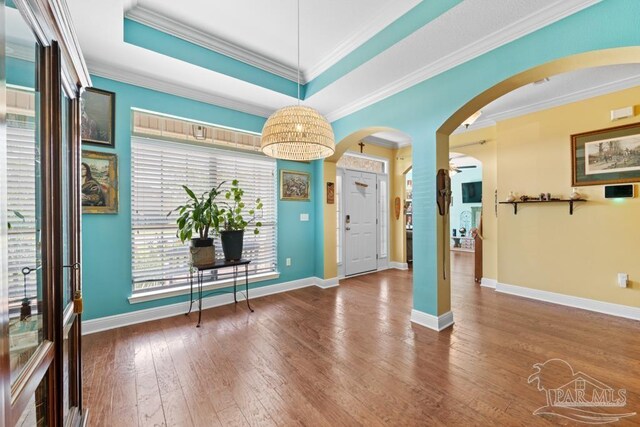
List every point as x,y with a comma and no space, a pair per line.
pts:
330,30
559,90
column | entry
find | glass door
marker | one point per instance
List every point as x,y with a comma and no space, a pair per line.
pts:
40,299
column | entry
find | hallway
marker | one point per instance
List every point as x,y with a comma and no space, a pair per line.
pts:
348,356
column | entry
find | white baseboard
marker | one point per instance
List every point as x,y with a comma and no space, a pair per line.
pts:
327,283
399,265
612,309
488,283
146,315
437,323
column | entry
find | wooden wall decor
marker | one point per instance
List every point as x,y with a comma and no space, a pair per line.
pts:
396,207
331,192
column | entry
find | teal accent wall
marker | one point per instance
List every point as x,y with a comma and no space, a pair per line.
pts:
20,72
106,239
423,108
422,14
166,44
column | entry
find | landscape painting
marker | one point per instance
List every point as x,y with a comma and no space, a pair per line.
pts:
613,155
606,156
294,185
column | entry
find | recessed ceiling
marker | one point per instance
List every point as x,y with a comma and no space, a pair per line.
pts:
331,29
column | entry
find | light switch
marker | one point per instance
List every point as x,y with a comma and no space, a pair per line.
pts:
304,217
623,280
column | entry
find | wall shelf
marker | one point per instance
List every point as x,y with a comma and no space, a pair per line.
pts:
570,202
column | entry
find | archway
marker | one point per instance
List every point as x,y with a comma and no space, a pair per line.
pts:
616,56
399,159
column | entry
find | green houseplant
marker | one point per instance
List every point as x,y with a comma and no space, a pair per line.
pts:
198,215
233,218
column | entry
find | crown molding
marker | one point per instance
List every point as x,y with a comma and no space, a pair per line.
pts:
557,101
354,40
125,76
167,25
514,31
381,142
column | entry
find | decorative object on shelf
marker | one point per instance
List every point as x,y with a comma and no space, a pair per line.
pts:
231,221
199,215
575,195
331,191
524,198
297,132
542,197
511,197
463,231
99,172
295,185
606,156
98,117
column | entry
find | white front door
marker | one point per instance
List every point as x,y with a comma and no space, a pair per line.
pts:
360,237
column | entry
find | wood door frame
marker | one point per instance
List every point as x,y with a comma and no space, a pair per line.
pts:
60,67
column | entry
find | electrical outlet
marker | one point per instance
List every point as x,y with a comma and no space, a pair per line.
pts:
288,262
304,217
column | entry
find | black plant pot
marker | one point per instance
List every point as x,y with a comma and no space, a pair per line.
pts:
232,244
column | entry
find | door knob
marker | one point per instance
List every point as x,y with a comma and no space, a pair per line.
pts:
347,228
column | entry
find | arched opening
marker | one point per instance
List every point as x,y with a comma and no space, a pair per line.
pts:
381,155
553,176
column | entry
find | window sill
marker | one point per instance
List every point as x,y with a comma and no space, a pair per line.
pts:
156,294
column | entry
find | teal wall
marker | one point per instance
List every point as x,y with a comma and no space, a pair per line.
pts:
423,108
457,207
106,239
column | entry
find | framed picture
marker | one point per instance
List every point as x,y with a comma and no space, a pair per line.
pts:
606,156
295,185
331,193
98,117
99,172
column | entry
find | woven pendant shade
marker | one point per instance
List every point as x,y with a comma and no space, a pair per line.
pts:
297,133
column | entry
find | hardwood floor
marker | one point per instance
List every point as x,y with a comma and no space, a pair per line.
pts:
350,356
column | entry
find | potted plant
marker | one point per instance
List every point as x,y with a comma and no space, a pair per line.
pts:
198,215
232,221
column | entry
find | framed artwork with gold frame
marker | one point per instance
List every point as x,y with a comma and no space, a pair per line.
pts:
295,185
99,173
606,156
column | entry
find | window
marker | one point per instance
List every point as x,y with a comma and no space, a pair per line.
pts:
338,199
362,162
22,167
383,215
158,171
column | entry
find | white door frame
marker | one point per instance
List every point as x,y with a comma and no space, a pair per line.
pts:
383,262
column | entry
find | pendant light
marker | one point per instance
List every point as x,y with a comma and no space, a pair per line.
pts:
297,132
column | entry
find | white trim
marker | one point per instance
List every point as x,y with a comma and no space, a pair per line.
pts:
146,315
209,41
503,36
558,101
116,73
327,283
571,301
155,294
399,265
437,323
488,283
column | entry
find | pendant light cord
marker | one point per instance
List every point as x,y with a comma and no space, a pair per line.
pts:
298,52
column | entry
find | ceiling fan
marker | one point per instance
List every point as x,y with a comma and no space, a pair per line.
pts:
454,169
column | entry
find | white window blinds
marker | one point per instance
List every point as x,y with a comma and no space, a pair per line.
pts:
22,163
158,171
